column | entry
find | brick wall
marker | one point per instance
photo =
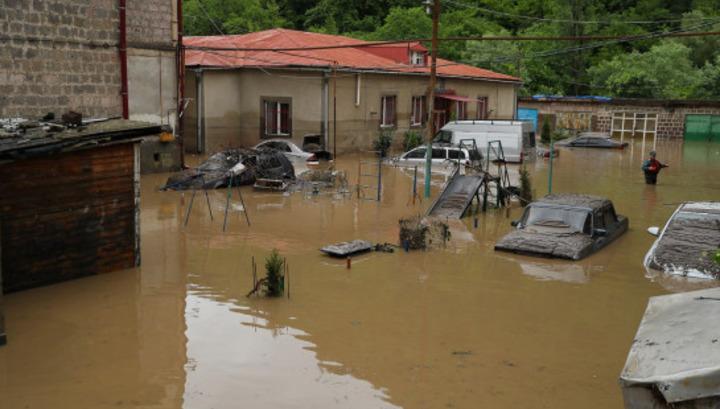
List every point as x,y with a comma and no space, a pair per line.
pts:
57,55
670,118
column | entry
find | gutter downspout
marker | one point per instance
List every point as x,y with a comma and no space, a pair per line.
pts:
199,102
180,78
123,61
325,106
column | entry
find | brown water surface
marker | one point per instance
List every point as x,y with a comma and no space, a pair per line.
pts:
459,327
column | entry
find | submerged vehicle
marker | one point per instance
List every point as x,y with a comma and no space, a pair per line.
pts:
440,155
289,149
674,358
570,226
517,137
689,244
242,166
593,140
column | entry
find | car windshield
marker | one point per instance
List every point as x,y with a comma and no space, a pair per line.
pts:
577,220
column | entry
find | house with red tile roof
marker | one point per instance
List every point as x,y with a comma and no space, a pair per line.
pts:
290,84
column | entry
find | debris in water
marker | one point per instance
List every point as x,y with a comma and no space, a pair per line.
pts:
347,248
419,233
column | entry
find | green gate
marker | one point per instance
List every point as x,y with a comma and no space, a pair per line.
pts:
702,128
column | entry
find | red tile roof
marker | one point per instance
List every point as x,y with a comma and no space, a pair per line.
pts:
201,53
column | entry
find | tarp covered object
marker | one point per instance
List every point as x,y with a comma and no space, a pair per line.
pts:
677,348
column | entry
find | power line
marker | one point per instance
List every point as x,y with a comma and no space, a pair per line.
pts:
554,20
460,38
210,19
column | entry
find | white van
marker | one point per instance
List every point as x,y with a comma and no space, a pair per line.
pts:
517,137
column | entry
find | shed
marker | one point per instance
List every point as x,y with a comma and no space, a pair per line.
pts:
674,360
70,202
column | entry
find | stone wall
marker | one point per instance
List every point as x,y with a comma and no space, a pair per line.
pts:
670,114
61,55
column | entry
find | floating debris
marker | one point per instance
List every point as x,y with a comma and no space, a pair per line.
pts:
347,248
420,233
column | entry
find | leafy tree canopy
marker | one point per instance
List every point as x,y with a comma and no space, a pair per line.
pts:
652,67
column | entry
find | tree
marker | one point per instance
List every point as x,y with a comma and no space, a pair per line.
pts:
665,71
213,17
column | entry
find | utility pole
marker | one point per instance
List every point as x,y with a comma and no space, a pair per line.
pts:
431,90
334,84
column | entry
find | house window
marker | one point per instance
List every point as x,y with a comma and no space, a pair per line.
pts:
417,118
387,111
276,117
417,58
460,110
482,108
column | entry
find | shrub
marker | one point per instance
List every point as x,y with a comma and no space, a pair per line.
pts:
274,274
412,140
383,142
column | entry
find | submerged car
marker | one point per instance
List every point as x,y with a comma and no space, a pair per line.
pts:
441,154
591,140
289,149
689,244
567,226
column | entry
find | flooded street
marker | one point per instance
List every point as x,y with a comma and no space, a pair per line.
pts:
459,327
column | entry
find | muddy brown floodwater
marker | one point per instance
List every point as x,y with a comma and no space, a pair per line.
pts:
459,327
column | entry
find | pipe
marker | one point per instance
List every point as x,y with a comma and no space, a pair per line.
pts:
123,61
180,78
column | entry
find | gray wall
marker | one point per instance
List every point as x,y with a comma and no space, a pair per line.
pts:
63,55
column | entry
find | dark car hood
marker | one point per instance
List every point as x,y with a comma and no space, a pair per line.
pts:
572,246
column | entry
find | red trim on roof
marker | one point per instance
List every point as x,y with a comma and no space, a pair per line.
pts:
360,58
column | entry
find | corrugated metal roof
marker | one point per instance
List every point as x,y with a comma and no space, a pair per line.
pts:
354,58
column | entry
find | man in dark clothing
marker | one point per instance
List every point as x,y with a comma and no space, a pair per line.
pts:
651,168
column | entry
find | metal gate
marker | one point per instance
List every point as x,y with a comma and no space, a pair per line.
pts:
702,128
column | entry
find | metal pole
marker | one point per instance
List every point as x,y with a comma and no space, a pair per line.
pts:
379,186
227,201
550,173
431,94
414,185
335,112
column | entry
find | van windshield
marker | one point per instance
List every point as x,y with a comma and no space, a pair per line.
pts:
443,137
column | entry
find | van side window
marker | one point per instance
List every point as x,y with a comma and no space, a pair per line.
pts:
443,137
610,216
456,154
438,153
418,153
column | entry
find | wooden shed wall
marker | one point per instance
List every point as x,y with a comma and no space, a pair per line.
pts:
68,215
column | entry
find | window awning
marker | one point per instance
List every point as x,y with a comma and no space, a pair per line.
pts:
457,98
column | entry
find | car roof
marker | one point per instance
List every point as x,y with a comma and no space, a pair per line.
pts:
574,200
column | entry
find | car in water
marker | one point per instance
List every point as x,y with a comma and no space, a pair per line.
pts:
441,154
289,149
570,226
593,140
689,243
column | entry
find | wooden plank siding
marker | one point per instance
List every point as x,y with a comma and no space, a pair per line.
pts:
68,215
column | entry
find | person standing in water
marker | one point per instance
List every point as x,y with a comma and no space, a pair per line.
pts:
651,167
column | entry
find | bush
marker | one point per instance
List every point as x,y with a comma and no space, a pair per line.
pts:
274,274
412,140
383,142
546,133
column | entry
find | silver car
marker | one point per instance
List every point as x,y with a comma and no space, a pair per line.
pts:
440,155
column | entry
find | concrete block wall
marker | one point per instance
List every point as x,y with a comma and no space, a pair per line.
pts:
670,119
59,55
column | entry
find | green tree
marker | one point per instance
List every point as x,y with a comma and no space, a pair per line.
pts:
665,71
213,17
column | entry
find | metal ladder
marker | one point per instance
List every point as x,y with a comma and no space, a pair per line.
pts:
496,155
361,188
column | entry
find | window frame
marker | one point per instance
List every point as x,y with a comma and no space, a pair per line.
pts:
383,124
481,114
418,54
279,101
413,113
462,104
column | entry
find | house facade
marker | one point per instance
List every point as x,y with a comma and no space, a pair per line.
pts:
242,93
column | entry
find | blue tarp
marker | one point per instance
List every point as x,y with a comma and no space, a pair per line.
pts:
542,97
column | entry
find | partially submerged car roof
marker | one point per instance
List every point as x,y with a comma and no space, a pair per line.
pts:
688,242
574,200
